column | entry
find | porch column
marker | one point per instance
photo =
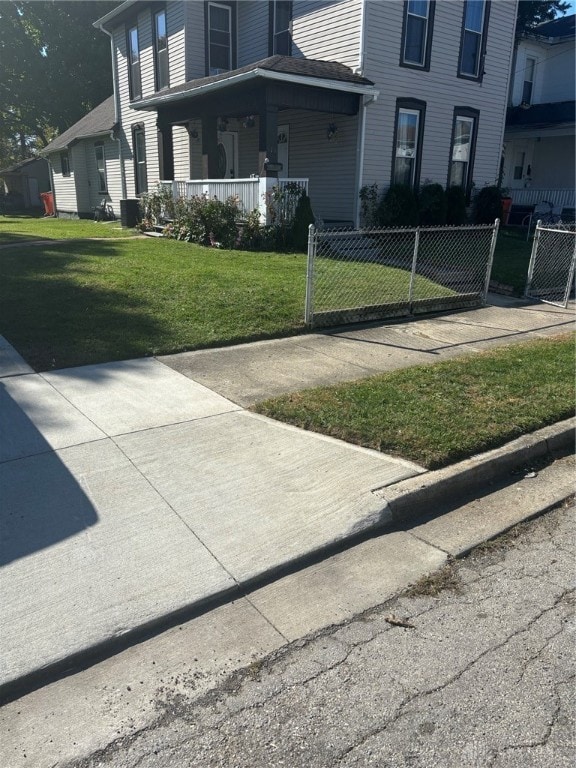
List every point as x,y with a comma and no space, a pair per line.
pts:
209,148
268,139
165,151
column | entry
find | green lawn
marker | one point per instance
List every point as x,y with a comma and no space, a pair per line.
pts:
91,301
511,259
439,414
17,229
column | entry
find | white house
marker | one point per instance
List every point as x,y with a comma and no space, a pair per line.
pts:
336,94
539,157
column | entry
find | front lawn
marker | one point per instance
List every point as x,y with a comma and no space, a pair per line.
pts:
439,414
511,259
93,301
18,229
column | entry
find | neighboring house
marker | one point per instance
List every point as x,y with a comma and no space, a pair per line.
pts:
85,164
539,159
336,94
25,181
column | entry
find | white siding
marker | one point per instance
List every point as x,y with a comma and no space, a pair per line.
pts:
114,188
181,152
440,89
328,30
195,43
175,18
253,26
64,186
554,78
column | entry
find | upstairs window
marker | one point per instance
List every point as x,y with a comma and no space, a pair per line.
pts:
65,163
280,28
101,167
220,49
408,142
473,42
417,33
463,148
134,64
161,51
528,81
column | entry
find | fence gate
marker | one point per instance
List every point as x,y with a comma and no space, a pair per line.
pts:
358,275
552,263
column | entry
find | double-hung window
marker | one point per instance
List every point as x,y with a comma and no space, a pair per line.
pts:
65,163
463,148
280,23
134,77
408,142
528,84
161,51
473,42
100,155
417,33
220,38
139,151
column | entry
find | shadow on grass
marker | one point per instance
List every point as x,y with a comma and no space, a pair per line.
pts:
55,318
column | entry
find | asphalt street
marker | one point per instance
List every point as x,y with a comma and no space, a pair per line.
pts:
482,674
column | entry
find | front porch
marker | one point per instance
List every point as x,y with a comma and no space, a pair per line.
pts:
252,193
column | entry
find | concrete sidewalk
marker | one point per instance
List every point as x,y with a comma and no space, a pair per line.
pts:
132,493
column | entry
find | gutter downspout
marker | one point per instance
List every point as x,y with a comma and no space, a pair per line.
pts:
117,110
361,121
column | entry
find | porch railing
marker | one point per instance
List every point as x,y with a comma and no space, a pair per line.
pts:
251,193
560,198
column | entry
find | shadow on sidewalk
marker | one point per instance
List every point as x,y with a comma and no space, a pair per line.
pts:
41,502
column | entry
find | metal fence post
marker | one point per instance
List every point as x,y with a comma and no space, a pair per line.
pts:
537,232
414,263
491,258
309,309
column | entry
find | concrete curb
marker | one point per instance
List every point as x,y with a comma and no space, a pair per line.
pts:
406,500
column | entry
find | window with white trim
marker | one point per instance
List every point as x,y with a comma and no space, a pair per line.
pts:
281,22
100,154
417,33
407,146
139,151
473,42
161,51
134,77
463,149
219,38
528,84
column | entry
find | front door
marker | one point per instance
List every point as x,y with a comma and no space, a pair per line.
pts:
227,155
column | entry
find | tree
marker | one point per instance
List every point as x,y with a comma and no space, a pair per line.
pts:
533,12
54,68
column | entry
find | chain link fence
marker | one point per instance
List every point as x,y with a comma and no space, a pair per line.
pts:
359,275
552,264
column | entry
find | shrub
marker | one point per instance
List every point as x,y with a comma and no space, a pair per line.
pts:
369,204
398,208
487,205
456,206
432,205
303,217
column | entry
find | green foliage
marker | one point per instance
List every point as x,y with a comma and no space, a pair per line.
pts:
487,205
456,206
398,208
432,205
533,12
54,68
369,204
303,217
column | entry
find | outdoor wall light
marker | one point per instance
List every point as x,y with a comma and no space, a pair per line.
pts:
249,121
194,134
332,131
222,123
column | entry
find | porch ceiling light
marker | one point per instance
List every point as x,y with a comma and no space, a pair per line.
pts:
332,131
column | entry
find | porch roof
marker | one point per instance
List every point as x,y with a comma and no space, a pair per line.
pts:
329,75
541,115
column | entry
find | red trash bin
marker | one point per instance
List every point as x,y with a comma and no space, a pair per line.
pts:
48,200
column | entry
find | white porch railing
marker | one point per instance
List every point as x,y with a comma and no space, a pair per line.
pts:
560,198
251,193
